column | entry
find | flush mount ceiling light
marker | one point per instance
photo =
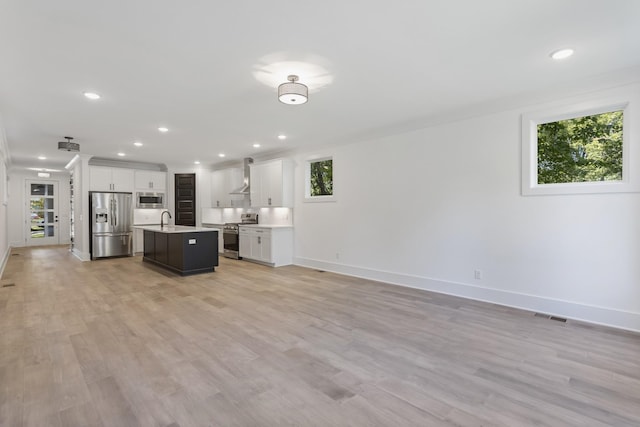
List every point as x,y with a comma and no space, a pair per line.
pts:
282,137
561,54
163,129
138,144
121,154
293,93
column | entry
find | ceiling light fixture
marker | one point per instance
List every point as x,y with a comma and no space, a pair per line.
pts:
282,137
163,129
121,154
91,95
293,93
138,144
221,155
197,162
256,145
42,158
44,175
561,54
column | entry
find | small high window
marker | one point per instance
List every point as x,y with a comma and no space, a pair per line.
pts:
319,179
582,148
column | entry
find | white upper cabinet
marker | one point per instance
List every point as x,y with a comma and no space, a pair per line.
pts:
102,178
151,180
272,184
222,183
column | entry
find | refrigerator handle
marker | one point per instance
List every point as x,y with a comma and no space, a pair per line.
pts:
115,208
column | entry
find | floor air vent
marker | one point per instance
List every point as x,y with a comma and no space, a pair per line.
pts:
548,316
8,285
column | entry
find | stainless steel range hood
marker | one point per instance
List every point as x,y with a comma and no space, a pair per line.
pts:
244,189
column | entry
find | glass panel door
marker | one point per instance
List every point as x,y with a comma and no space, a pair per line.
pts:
43,213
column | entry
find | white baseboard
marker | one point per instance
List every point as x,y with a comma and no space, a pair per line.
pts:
567,309
82,256
5,258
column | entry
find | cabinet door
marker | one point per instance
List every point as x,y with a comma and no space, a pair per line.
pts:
143,180
260,185
122,179
158,180
245,244
100,178
217,189
273,183
261,249
265,247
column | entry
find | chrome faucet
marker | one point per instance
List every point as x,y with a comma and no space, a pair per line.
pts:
162,217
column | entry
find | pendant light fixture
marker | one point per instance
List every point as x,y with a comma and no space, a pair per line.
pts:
292,92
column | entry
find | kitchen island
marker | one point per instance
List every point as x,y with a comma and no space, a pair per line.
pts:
182,249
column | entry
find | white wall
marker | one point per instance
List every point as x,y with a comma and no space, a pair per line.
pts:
427,208
18,209
4,214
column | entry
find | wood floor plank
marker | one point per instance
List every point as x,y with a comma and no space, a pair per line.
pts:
118,342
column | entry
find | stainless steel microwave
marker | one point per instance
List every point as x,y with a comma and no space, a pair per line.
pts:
149,200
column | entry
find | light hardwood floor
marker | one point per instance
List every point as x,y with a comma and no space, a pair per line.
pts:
121,343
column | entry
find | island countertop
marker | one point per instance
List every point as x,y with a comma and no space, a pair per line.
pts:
174,228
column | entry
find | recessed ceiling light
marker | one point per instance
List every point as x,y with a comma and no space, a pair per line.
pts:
163,129
91,95
196,162
282,137
42,158
121,154
561,54
256,145
138,144
221,155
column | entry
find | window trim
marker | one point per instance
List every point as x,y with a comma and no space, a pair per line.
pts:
307,180
529,161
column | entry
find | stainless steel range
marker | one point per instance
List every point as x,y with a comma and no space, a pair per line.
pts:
230,235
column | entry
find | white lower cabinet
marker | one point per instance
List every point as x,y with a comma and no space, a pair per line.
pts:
138,240
272,246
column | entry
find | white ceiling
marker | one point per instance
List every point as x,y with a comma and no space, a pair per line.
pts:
193,66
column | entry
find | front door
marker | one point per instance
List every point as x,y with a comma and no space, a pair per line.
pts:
42,223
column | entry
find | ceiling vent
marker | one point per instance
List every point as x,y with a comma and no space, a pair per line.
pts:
68,145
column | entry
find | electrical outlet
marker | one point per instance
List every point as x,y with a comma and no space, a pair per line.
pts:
477,274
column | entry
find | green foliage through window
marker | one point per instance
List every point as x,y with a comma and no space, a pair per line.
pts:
583,149
321,178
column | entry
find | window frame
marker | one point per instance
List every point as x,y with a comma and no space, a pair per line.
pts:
307,180
529,160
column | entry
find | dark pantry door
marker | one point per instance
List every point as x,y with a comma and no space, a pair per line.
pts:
185,199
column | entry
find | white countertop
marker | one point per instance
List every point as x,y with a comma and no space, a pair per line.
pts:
174,228
265,226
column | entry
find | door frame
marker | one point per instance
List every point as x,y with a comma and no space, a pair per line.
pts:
55,240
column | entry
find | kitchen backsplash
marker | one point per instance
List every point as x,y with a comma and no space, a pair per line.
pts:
271,216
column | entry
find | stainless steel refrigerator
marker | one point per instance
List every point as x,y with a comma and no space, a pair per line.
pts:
111,224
